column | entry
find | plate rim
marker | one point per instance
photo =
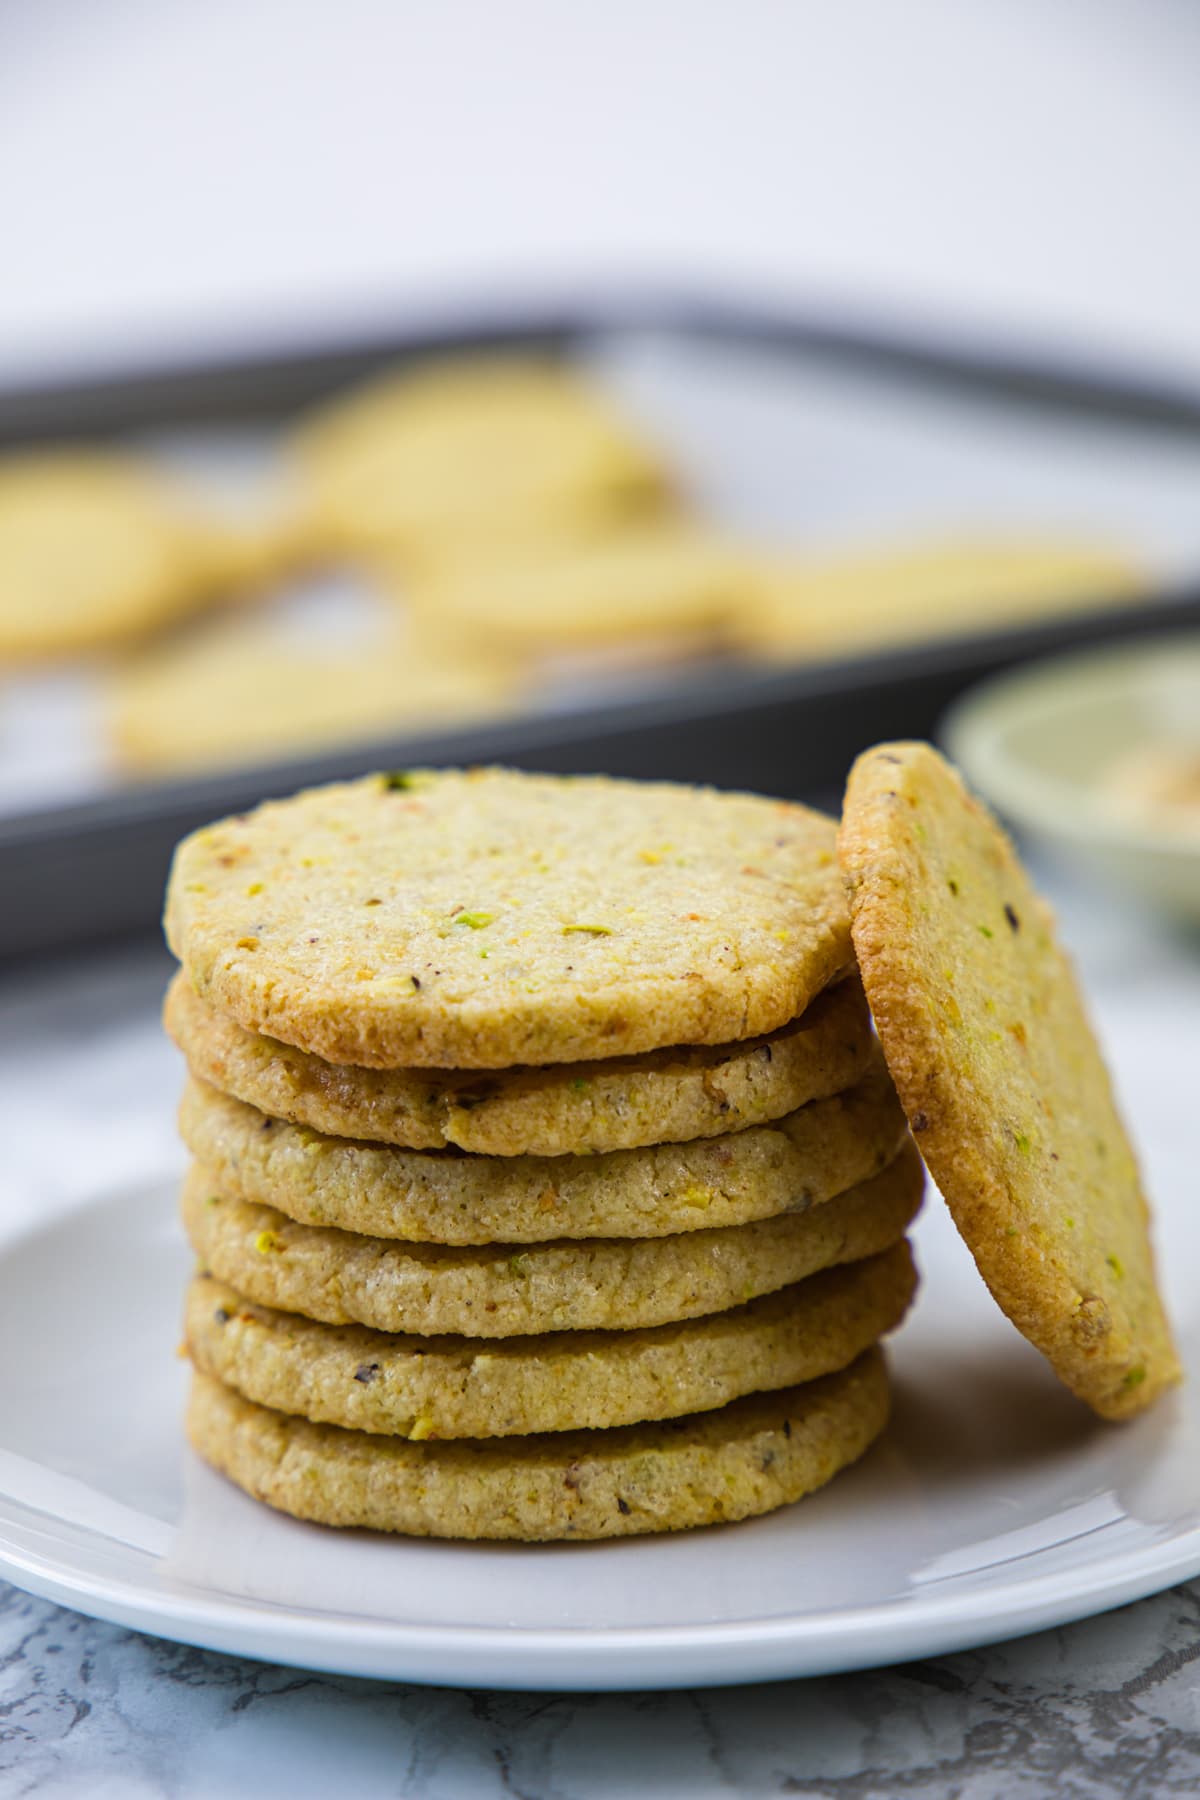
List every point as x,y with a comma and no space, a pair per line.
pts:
576,1658
606,1658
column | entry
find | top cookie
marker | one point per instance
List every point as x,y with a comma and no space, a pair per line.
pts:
486,918
985,1033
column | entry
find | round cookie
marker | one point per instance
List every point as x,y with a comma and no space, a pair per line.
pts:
445,1197
746,1458
932,588
452,1388
670,577
497,1291
242,689
663,1096
488,918
985,1032
93,550
418,458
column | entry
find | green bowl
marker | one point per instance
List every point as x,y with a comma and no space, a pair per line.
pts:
1043,745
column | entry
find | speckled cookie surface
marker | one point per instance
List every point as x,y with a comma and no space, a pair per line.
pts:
425,1388
488,919
664,1096
985,1031
498,1290
746,1458
445,1197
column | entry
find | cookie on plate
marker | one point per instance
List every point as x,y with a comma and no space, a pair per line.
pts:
788,1166
662,1097
705,1469
505,1290
488,918
984,1029
450,1387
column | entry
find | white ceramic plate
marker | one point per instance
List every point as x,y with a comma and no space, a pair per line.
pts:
995,1505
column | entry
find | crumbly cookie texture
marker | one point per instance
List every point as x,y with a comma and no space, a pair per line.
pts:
489,919
984,1029
746,1458
660,1097
424,1388
500,1290
445,1197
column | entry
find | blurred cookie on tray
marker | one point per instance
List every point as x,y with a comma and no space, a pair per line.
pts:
97,549
652,590
253,687
927,587
424,454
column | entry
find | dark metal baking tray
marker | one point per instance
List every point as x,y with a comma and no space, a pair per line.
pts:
78,873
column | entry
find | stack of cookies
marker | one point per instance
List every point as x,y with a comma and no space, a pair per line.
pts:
548,1180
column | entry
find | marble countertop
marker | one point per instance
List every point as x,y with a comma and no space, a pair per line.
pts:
1095,1711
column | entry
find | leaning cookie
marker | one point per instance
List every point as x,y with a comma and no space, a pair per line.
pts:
984,1029
743,1459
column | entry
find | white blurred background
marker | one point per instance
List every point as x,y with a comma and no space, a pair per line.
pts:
177,178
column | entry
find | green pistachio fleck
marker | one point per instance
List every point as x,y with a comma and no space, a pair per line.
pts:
1021,1140
1134,1377
1010,1231
578,1085
1116,1265
1069,1222
986,931
518,1265
588,930
398,781
474,920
